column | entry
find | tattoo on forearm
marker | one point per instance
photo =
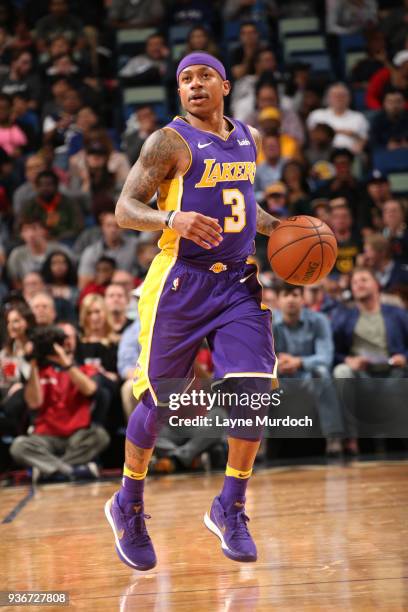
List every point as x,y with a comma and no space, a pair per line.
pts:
265,223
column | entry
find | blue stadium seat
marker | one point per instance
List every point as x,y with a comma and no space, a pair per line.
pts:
178,34
390,161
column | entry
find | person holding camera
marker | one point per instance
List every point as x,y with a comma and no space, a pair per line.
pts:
63,440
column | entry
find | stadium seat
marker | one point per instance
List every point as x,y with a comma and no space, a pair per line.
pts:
319,62
359,95
352,57
298,25
351,48
144,95
399,182
390,161
132,42
178,34
303,44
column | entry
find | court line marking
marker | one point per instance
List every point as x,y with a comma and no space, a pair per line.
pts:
18,507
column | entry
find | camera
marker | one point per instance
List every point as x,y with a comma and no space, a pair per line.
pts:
43,339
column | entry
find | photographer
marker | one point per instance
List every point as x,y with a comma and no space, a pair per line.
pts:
64,441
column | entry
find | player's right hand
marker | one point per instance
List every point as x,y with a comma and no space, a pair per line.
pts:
204,231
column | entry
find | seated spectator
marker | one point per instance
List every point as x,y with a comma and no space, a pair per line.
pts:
242,58
351,127
248,9
316,298
104,269
59,22
395,229
60,213
64,66
32,284
149,67
30,256
33,166
304,347
140,125
377,255
86,121
376,59
114,243
125,14
190,12
60,128
379,191
320,143
99,343
128,354
294,176
269,121
146,251
348,16
117,302
21,79
42,305
370,340
394,77
27,120
344,185
199,39
275,197
64,439
271,169
128,282
389,128
266,95
60,277
297,83
14,368
12,138
243,93
348,239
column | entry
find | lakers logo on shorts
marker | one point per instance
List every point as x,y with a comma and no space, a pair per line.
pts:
218,267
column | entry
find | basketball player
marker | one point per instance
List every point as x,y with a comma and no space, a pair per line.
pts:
199,286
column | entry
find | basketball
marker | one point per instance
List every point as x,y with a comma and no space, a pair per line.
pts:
302,250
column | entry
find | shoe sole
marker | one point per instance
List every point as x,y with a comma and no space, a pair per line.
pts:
209,523
120,553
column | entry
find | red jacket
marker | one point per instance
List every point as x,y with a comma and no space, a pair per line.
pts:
64,409
375,89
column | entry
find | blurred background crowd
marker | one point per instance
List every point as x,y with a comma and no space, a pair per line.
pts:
82,85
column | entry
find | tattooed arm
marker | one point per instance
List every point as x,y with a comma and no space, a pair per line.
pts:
265,223
163,156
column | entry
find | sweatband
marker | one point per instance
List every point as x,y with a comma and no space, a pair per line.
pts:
201,59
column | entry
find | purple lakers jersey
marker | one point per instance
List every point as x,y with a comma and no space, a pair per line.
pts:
218,183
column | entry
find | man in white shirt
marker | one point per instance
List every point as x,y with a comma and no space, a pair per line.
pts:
351,127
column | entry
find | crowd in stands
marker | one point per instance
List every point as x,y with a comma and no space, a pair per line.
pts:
82,86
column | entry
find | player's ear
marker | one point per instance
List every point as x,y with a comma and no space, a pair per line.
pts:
226,86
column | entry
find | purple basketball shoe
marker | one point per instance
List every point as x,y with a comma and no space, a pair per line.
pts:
231,527
133,543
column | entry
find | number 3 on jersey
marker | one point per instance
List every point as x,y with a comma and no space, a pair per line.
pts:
235,199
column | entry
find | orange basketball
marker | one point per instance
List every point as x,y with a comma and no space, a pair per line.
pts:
302,250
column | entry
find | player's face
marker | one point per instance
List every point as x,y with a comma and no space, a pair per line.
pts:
202,89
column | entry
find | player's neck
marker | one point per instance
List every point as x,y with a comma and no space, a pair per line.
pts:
215,123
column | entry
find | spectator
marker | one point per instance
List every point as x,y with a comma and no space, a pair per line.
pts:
275,197
114,243
59,274
127,281
378,189
304,346
20,79
248,9
86,121
389,129
27,120
31,255
60,213
271,169
99,342
351,127
146,251
370,339
64,439
14,368
33,166
32,284
151,66
295,178
317,299
269,121
394,77
242,58
344,185
140,125
117,302
395,230
60,128
266,96
348,240
377,255
104,269
376,58
199,39
348,16
190,12
43,306
128,354
12,138
320,143
125,14
59,22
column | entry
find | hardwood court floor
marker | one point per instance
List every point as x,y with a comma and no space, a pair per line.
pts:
329,538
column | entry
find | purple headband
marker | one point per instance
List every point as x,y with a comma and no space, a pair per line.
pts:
201,59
